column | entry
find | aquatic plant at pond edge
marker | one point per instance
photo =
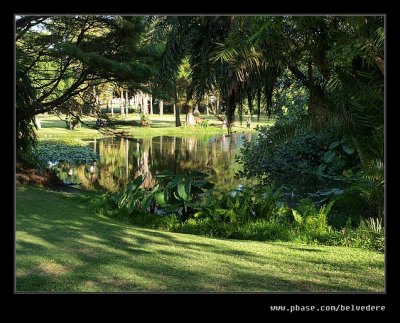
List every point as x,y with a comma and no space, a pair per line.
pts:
73,152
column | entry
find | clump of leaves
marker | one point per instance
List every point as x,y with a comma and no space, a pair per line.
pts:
74,152
242,205
181,193
173,194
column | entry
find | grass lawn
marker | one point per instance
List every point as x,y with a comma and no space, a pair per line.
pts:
54,128
62,245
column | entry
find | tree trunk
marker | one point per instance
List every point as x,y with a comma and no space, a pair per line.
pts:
177,116
140,98
196,111
230,110
126,103
190,117
94,96
177,109
151,104
144,102
122,102
208,113
250,102
241,111
37,122
161,106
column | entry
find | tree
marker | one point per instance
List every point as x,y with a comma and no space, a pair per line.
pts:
65,56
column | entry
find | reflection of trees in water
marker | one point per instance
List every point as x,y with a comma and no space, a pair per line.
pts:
121,160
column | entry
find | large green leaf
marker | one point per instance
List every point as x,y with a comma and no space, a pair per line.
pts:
160,198
183,191
329,156
174,182
200,214
163,175
147,202
203,184
137,182
334,144
297,216
348,150
197,174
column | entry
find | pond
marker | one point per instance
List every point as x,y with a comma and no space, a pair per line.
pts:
121,160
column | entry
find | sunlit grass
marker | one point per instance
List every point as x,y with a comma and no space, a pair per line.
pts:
63,245
55,128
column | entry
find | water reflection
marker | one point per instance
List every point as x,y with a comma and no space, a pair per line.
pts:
121,160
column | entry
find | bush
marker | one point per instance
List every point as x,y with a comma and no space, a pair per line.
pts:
241,205
247,213
317,153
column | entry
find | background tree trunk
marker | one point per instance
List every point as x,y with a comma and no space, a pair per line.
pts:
190,121
161,106
177,109
151,104
126,103
122,102
230,110
95,100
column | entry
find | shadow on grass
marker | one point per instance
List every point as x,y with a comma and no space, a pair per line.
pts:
63,247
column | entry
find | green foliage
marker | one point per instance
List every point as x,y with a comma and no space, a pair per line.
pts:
67,56
310,220
72,152
173,194
309,153
242,205
204,124
25,127
144,119
181,193
289,96
369,184
369,234
131,196
242,215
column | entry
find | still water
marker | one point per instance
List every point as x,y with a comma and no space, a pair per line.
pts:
121,160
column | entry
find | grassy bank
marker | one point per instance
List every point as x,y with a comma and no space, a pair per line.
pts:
63,245
53,127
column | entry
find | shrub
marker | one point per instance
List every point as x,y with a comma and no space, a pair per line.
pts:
241,205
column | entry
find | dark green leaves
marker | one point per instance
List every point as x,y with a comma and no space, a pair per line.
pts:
160,198
347,149
329,156
69,152
334,144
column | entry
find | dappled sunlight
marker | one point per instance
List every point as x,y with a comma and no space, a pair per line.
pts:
99,254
